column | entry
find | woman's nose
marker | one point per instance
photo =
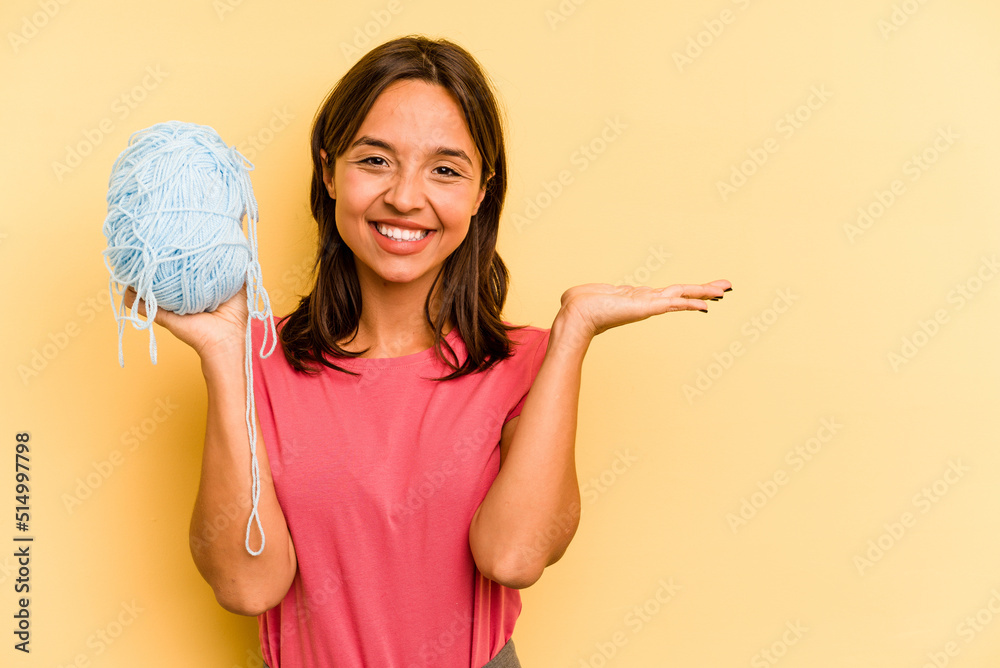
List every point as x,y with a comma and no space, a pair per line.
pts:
405,193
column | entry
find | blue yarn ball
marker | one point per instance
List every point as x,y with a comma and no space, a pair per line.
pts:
176,201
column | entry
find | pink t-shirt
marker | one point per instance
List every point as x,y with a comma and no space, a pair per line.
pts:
378,476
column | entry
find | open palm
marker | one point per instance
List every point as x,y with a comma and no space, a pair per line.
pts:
597,307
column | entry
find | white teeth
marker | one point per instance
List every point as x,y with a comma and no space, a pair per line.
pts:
398,234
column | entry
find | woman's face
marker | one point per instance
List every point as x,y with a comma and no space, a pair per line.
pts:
407,185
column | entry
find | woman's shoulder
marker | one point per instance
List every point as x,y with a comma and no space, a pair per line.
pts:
525,331
528,336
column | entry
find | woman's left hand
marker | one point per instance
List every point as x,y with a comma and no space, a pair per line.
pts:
597,307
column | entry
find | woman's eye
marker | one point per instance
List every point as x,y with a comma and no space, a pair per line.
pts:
373,160
446,171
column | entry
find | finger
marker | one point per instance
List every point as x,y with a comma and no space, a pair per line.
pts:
130,297
664,302
693,291
713,291
722,283
163,317
693,305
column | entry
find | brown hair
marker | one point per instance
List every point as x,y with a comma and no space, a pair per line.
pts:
473,279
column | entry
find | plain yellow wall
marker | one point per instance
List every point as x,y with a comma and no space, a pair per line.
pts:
808,476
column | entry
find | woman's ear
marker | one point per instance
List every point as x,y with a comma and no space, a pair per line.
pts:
482,194
479,200
328,174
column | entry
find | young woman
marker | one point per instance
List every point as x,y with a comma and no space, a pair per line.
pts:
410,482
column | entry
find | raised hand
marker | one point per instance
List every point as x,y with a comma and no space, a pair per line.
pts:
221,331
597,307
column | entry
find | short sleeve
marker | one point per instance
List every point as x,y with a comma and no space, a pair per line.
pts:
539,345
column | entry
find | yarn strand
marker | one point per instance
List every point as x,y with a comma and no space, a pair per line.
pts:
177,198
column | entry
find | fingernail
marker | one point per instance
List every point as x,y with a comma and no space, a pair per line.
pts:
714,299
703,310
728,290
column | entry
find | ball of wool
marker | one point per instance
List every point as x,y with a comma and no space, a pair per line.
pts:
177,198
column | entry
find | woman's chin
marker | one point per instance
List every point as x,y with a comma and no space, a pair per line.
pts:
399,276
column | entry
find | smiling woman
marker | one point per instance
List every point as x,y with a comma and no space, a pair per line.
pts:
417,463
409,139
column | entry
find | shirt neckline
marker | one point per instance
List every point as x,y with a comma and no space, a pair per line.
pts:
426,355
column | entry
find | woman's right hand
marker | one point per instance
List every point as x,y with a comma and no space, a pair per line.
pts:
211,334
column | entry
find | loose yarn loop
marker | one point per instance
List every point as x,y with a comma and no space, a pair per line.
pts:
177,197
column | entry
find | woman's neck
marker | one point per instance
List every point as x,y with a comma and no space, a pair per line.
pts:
392,322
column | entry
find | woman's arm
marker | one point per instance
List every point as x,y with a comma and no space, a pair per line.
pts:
532,510
242,583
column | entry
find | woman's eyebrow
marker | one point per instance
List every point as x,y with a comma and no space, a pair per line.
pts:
454,153
371,141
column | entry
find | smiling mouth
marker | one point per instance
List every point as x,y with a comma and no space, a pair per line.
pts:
399,234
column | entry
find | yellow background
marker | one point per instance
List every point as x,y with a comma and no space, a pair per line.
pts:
818,311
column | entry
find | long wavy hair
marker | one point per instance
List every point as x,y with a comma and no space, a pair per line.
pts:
473,279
